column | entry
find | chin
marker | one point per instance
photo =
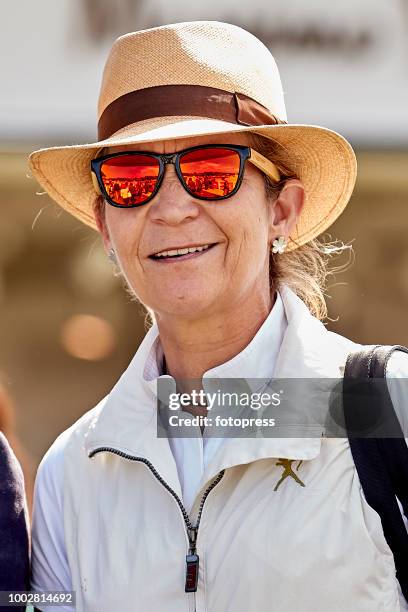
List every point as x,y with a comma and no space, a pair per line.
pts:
189,305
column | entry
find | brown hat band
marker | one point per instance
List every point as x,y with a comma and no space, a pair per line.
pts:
182,100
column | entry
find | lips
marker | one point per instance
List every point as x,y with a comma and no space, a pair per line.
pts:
180,251
182,254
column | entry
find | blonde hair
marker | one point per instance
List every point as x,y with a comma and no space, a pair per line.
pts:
306,269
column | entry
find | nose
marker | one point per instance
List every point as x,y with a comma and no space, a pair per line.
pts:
172,204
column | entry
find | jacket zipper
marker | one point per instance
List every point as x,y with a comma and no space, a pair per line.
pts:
192,559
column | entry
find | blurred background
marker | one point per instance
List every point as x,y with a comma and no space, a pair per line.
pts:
67,327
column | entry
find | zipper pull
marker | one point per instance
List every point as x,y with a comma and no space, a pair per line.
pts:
192,562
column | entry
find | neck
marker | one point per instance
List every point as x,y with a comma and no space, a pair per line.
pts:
191,347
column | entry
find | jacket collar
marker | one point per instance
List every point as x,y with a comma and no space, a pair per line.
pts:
127,419
253,359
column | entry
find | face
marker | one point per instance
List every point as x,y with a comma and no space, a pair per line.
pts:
238,230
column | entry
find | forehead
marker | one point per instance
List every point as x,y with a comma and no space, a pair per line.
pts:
178,144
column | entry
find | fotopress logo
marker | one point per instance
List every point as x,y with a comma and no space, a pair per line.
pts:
285,408
229,407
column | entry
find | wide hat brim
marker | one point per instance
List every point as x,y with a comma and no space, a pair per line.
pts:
322,159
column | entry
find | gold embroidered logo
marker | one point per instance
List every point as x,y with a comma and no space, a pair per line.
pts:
287,465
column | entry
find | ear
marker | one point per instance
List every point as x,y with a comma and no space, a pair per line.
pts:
286,209
99,212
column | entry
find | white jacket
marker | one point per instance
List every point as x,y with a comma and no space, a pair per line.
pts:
318,547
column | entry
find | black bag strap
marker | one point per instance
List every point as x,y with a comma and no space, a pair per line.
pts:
381,463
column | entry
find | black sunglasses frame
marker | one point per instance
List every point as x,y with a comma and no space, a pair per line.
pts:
244,153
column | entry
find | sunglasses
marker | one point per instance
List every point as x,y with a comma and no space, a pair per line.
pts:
207,172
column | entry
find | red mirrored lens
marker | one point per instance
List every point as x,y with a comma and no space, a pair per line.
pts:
210,173
130,179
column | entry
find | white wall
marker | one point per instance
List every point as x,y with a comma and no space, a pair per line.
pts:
354,81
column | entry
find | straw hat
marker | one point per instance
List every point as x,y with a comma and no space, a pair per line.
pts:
194,79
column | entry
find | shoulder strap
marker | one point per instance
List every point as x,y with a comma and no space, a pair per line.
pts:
381,463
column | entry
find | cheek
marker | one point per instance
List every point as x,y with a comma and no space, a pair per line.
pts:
124,230
249,232
255,251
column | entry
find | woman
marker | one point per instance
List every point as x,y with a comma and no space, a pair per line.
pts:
233,278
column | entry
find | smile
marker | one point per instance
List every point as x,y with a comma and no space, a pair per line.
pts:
182,254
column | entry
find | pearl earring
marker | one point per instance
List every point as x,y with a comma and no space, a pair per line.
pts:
279,245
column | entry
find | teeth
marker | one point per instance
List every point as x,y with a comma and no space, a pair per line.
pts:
181,251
